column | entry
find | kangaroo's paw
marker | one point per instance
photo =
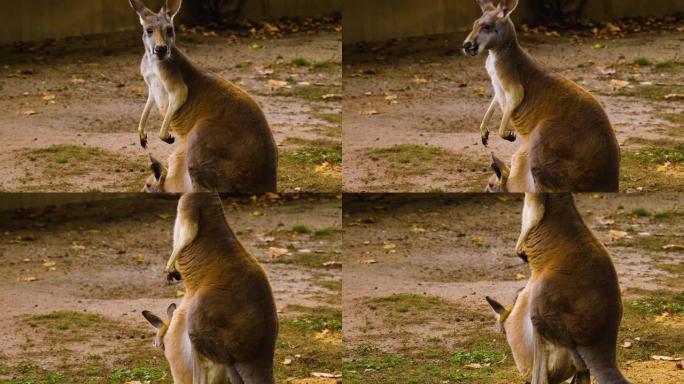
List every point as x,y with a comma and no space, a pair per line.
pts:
173,276
143,140
485,138
522,254
169,139
508,135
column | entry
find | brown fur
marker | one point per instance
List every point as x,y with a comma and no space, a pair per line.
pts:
231,316
573,289
224,141
568,144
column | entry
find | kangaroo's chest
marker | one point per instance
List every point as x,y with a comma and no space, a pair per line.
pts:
499,91
156,88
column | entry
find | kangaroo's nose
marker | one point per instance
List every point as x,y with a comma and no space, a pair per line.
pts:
161,50
468,45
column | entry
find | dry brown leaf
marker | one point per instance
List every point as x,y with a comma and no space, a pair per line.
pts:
275,85
369,112
332,264
368,261
28,112
673,247
665,358
275,252
326,375
617,235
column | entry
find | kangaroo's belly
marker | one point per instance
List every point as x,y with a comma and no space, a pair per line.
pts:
499,92
156,88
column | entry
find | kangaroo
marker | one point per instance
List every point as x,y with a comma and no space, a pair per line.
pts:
574,296
224,141
568,144
230,315
173,339
515,323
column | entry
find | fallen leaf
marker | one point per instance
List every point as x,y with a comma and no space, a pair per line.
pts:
389,246
673,96
618,84
257,213
627,344
332,96
164,216
27,279
617,235
478,240
326,375
28,112
276,252
666,358
180,293
287,361
605,221
275,85
139,258
598,46
673,247
49,97
369,112
49,263
138,90
420,80
480,91
520,276
77,80
368,261
332,264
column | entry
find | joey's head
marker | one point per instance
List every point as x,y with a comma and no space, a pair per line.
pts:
159,324
159,35
499,180
501,313
155,182
493,30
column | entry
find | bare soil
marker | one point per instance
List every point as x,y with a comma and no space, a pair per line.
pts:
424,92
63,98
419,266
64,265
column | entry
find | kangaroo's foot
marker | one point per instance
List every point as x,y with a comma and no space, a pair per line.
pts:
508,135
485,137
168,139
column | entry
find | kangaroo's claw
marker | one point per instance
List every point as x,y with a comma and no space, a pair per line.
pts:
509,136
523,255
143,141
173,276
169,140
485,138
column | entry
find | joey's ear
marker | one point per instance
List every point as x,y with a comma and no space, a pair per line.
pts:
170,310
498,308
140,8
172,7
486,5
158,169
500,168
506,7
153,319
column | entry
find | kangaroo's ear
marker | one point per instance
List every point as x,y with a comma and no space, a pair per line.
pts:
172,7
500,168
486,5
153,319
158,169
140,9
506,7
498,308
170,310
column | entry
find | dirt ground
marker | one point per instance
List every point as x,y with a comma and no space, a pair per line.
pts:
418,269
413,107
71,108
76,279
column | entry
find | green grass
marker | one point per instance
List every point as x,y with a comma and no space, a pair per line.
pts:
651,92
67,153
322,64
639,167
313,166
309,93
300,62
301,229
642,61
325,231
301,335
641,212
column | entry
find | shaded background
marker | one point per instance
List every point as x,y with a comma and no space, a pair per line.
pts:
32,20
372,20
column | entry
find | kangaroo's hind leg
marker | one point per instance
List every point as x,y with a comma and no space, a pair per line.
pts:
540,374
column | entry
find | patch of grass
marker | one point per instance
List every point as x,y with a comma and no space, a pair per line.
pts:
314,334
640,168
655,337
641,212
651,92
126,375
662,214
410,159
301,229
642,61
308,92
327,231
314,166
66,320
300,62
322,64
66,153
676,118
332,285
332,118
675,269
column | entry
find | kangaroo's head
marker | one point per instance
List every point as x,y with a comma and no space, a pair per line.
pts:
155,182
493,30
499,180
501,312
159,36
160,325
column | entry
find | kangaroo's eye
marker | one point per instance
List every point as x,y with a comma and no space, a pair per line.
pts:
149,31
486,27
169,31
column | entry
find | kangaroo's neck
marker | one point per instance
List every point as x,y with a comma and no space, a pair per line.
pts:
214,249
561,229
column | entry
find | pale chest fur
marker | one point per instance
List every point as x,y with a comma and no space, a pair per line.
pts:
155,85
499,91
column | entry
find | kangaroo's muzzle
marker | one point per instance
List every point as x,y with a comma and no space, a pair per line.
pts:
161,51
471,48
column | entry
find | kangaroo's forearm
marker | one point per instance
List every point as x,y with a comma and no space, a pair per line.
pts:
146,113
488,114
